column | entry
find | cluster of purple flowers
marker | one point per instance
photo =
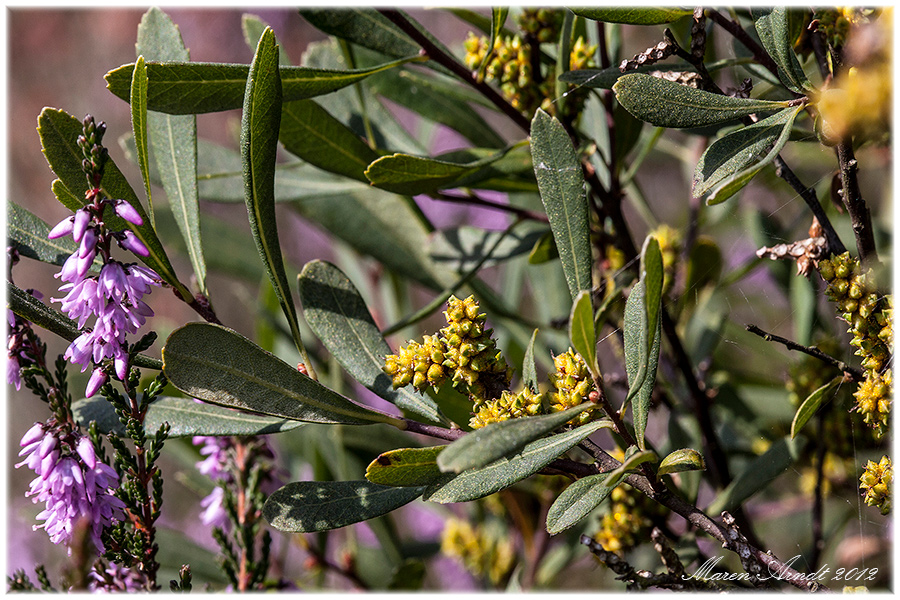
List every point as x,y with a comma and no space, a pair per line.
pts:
216,466
115,578
71,482
16,345
114,297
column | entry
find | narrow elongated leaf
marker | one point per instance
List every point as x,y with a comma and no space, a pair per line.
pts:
138,101
31,309
686,459
28,234
736,180
59,133
308,506
180,88
310,132
652,274
173,139
636,15
631,463
640,366
773,27
478,483
529,369
581,329
561,184
498,18
812,404
544,250
484,446
185,416
463,247
406,467
668,104
259,142
411,175
220,366
253,27
759,473
747,147
577,501
338,315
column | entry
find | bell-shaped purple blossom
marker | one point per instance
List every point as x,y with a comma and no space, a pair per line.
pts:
215,514
14,371
217,461
88,243
131,243
80,225
128,212
98,378
63,228
115,578
70,488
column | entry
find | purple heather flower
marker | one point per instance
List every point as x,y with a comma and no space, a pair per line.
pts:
116,578
98,378
215,514
63,228
128,212
215,449
82,220
13,372
88,243
131,243
68,485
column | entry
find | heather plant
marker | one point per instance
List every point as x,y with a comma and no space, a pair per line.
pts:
655,377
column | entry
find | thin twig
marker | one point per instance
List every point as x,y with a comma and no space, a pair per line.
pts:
476,200
855,373
860,217
735,29
809,196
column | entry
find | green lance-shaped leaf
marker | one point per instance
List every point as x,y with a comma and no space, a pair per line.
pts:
544,250
138,101
748,149
253,27
637,15
478,483
59,133
28,234
31,309
484,446
758,473
668,104
338,315
577,501
498,18
185,416
812,404
641,335
529,368
406,467
561,184
220,366
181,88
631,463
581,329
173,140
686,459
308,506
411,175
310,132
259,144
773,27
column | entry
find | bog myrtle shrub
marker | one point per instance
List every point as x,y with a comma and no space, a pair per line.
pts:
685,377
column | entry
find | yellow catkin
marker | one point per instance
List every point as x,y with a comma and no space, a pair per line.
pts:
876,481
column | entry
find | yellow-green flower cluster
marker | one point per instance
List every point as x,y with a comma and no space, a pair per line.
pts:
483,552
511,65
573,383
877,481
870,318
627,521
508,406
464,353
543,24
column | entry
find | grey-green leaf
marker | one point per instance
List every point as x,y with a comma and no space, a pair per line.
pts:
310,132
478,483
631,463
220,366
259,144
635,15
581,329
773,27
31,309
406,467
668,104
185,416
686,459
812,404
734,181
577,501
751,146
28,234
561,184
59,133
492,442
338,315
173,140
758,473
308,506
529,369
498,19
138,103
640,366
181,88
